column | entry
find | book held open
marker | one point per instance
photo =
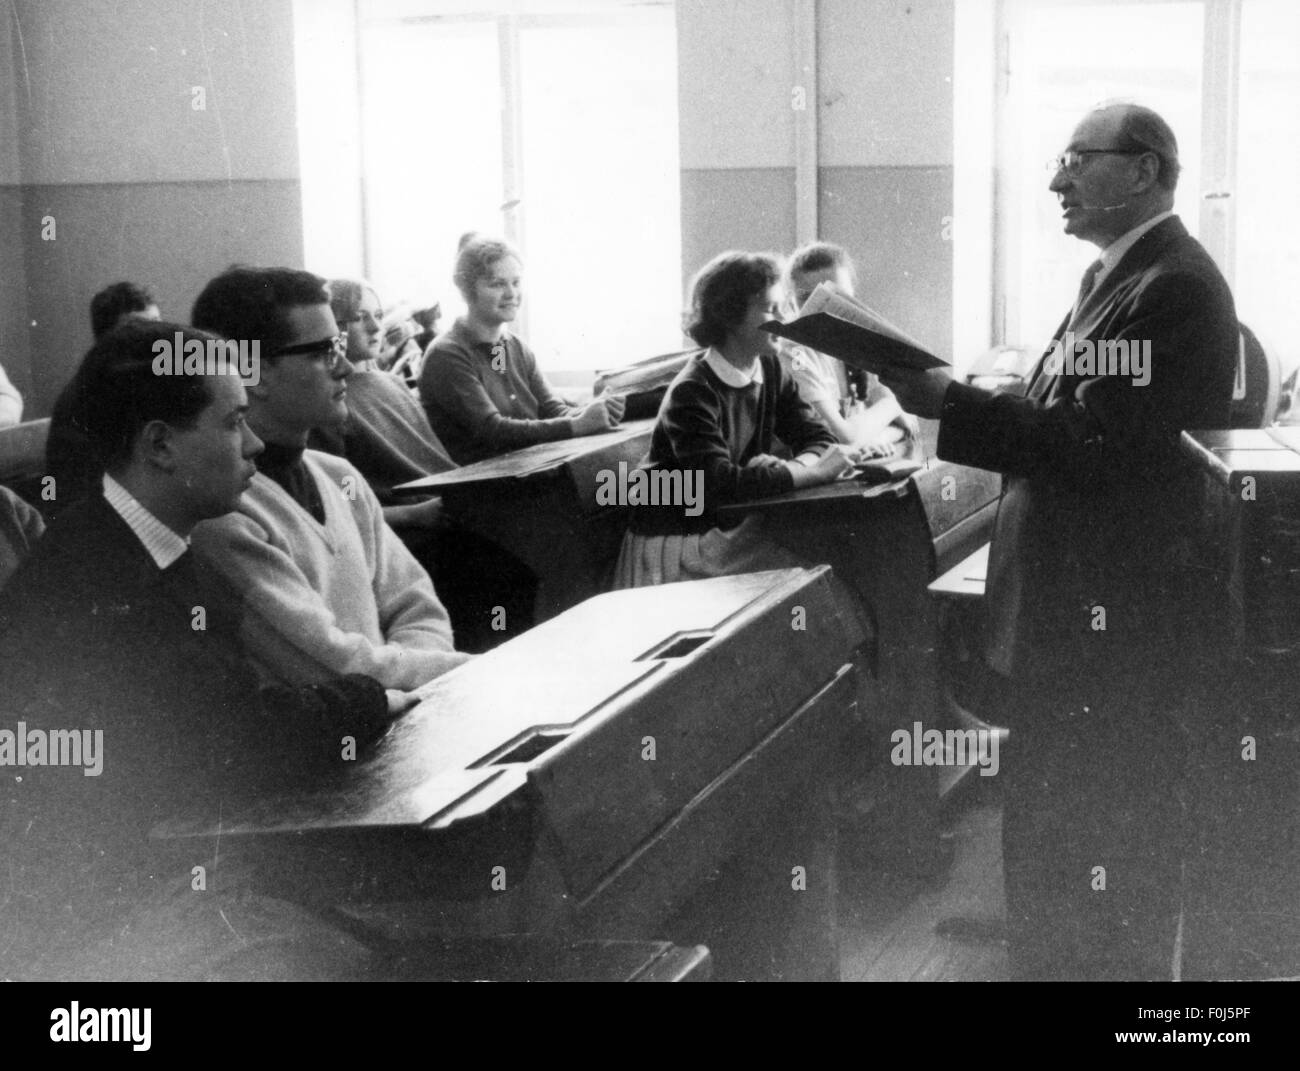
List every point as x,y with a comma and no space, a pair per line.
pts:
832,322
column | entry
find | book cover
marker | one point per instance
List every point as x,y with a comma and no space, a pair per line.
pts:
834,323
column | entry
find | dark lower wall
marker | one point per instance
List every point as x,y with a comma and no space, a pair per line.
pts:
171,237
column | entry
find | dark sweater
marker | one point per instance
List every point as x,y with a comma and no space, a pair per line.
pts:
94,636
479,408
715,429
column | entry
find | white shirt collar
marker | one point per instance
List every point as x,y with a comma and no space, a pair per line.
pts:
1114,253
730,374
164,545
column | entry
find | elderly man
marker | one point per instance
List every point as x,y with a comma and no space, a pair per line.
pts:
1095,598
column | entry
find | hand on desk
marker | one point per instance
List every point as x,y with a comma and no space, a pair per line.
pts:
835,462
616,404
600,414
878,448
920,393
427,514
400,702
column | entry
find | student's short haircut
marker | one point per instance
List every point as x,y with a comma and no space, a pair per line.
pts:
477,255
249,304
819,256
115,392
346,296
722,290
114,302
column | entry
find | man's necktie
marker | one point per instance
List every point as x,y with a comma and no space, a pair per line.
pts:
1085,287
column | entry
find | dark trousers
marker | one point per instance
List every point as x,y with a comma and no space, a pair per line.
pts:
1094,829
488,593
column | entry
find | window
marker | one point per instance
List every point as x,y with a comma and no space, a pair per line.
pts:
553,124
1222,72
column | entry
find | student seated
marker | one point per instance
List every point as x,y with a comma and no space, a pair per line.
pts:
118,304
329,587
719,423
388,438
68,454
480,384
854,404
21,526
386,434
111,632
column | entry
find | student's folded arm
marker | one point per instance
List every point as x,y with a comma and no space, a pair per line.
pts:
1110,423
474,409
287,628
548,405
410,612
691,421
797,422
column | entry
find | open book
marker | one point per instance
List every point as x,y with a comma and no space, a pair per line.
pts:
832,322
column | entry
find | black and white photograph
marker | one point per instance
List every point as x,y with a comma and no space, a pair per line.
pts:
650,490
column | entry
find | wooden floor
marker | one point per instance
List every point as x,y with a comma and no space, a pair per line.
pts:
1241,905
887,921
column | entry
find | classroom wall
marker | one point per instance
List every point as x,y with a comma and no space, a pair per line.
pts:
139,182
97,97
885,133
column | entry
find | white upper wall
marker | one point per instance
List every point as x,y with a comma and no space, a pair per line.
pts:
884,93
104,90
735,71
886,83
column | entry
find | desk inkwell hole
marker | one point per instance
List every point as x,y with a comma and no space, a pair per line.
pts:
678,645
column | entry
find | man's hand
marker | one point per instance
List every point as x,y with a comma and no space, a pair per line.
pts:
920,393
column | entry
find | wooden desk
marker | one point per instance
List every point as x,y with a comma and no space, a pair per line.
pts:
1252,484
522,785
539,504
887,542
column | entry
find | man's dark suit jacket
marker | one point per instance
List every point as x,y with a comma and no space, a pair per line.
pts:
93,635
1097,508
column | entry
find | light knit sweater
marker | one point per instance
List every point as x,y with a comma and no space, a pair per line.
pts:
320,600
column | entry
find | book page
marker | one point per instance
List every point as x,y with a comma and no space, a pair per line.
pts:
833,302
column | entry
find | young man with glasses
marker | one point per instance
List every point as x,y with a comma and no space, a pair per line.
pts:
329,588
1098,612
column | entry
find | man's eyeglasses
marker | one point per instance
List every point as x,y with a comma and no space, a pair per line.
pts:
330,350
1073,161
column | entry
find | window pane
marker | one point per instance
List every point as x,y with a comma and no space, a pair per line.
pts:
601,206
1070,59
431,121
1268,155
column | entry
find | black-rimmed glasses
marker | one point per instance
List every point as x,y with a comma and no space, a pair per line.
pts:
332,350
